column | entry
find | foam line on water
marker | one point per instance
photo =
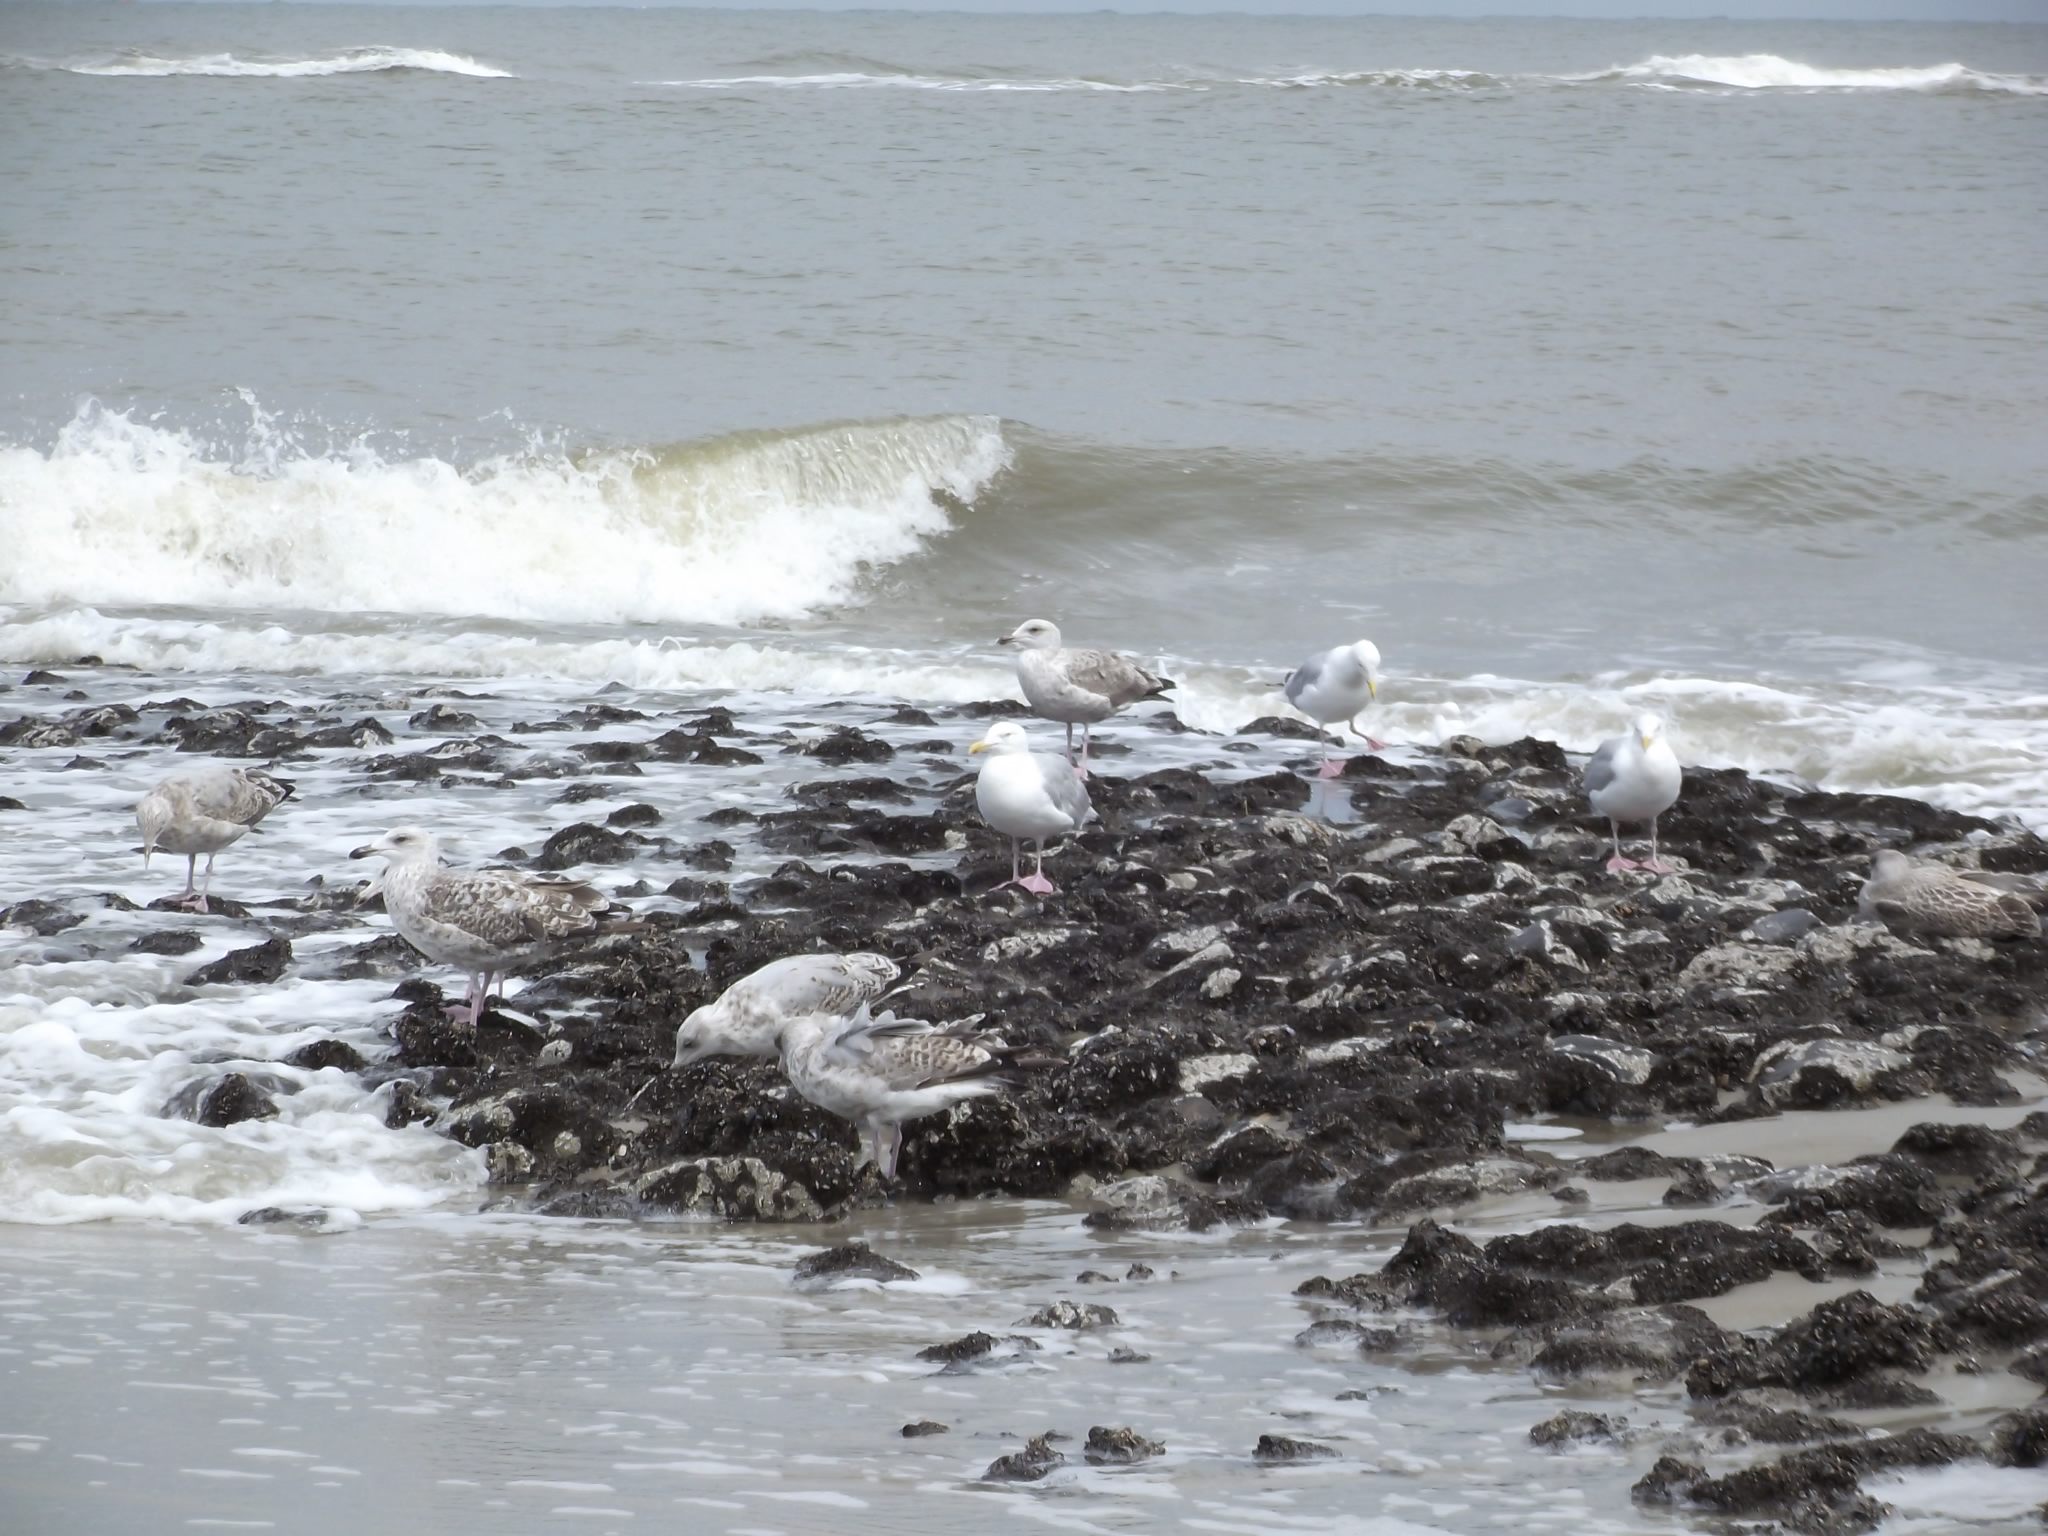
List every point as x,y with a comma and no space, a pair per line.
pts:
353,61
755,526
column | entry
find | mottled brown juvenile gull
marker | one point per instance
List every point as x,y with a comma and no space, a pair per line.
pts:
748,1016
486,922
1023,794
1333,687
203,812
881,1072
1932,898
1076,687
1635,778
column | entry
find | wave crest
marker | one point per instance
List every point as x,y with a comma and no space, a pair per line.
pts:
351,61
1767,71
738,529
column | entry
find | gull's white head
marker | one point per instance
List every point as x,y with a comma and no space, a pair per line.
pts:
1003,737
402,845
1889,864
1648,729
154,815
1367,655
1034,635
700,1036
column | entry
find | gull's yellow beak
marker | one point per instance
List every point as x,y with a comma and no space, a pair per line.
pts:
1646,743
978,746
1372,687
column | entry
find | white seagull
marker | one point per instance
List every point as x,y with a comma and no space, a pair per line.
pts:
203,812
748,1016
1022,793
1634,778
1076,687
485,922
1333,687
879,1073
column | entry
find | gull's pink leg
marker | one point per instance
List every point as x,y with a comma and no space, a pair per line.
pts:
1035,882
1617,864
1333,768
1655,865
195,900
1070,741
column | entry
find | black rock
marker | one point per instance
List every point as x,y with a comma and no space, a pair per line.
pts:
925,1427
973,1346
1574,1425
1070,1314
585,843
169,941
39,916
317,1055
259,964
639,814
1284,1448
1108,1447
1025,1466
849,1261
232,1099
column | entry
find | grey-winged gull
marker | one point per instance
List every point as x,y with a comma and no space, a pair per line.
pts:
1076,687
748,1016
1027,794
203,812
1932,898
881,1072
485,922
1635,778
1333,687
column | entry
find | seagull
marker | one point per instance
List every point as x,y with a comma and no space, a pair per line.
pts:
1932,898
1334,687
1634,778
1076,687
1023,793
486,921
748,1016
204,812
881,1072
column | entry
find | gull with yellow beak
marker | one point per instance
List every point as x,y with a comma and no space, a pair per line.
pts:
1334,687
1022,793
1634,778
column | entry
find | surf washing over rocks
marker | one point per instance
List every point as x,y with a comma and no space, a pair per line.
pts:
1336,1122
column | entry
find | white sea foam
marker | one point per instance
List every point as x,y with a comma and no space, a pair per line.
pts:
1744,72
1767,71
738,529
352,61
854,80
91,1050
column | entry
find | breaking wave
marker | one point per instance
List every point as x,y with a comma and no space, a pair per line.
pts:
1767,71
744,528
350,61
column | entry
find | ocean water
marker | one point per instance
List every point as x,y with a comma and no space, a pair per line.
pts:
783,361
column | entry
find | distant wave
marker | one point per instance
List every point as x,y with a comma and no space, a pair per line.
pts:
744,528
1748,72
1767,72
352,61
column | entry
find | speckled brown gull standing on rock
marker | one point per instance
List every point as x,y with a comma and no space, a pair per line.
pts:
1076,687
879,1073
204,812
488,922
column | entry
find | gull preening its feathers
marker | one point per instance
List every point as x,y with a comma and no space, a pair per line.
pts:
1334,687
203,812
487,923
1934,899
882,1072
1027,794
1076,687
1635,778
